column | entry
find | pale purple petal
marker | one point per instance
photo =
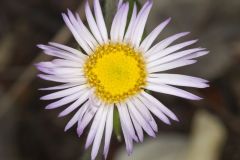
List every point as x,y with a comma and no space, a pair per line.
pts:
64,70
92,42
70,21
92,24
108,131
77,116
166,89
171,65
142,109
69,49
159,105
130,28
123,22
127,137
54,78
65,100
140,24
45,64
164,43
147,42
63,73
146,114
86,118
75,105
174,56
137,127
95,125
63,93
170,50
100,20
80,28
194,55
67,63
145,125
114,32
63,86
99,133
155,111
56,52
178,80
120,2
125,118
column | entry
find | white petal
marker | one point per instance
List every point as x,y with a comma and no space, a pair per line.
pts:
171,65
64,101
164,43
63,93
146,114
53,51
94,101
63,86
86,109
100,20
116,24
76,78
76,33
127,137
69,49
142,109
123,22
86,118
170,50
54,78
138,127
92,24
162,88
57,63
45,64
155,111
120,2
140,119
77,116
93,130
174,56
178,80
147,42
108,132
80,28
99,134
125,118
194,55
153,124
75,105
45,70
66,63
158,104
61,70
86,33
130,28
140,23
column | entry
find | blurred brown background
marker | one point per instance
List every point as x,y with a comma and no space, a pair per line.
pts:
208,129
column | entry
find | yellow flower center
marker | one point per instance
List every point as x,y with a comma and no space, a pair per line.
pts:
116,72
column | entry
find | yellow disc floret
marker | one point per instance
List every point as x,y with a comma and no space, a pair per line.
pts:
116,72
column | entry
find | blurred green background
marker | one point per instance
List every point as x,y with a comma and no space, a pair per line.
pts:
208,129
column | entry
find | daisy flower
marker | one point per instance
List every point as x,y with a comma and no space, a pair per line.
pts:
116,70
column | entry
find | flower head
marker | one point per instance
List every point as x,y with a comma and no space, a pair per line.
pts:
115,70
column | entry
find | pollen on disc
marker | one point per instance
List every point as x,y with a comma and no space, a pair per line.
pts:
116,72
